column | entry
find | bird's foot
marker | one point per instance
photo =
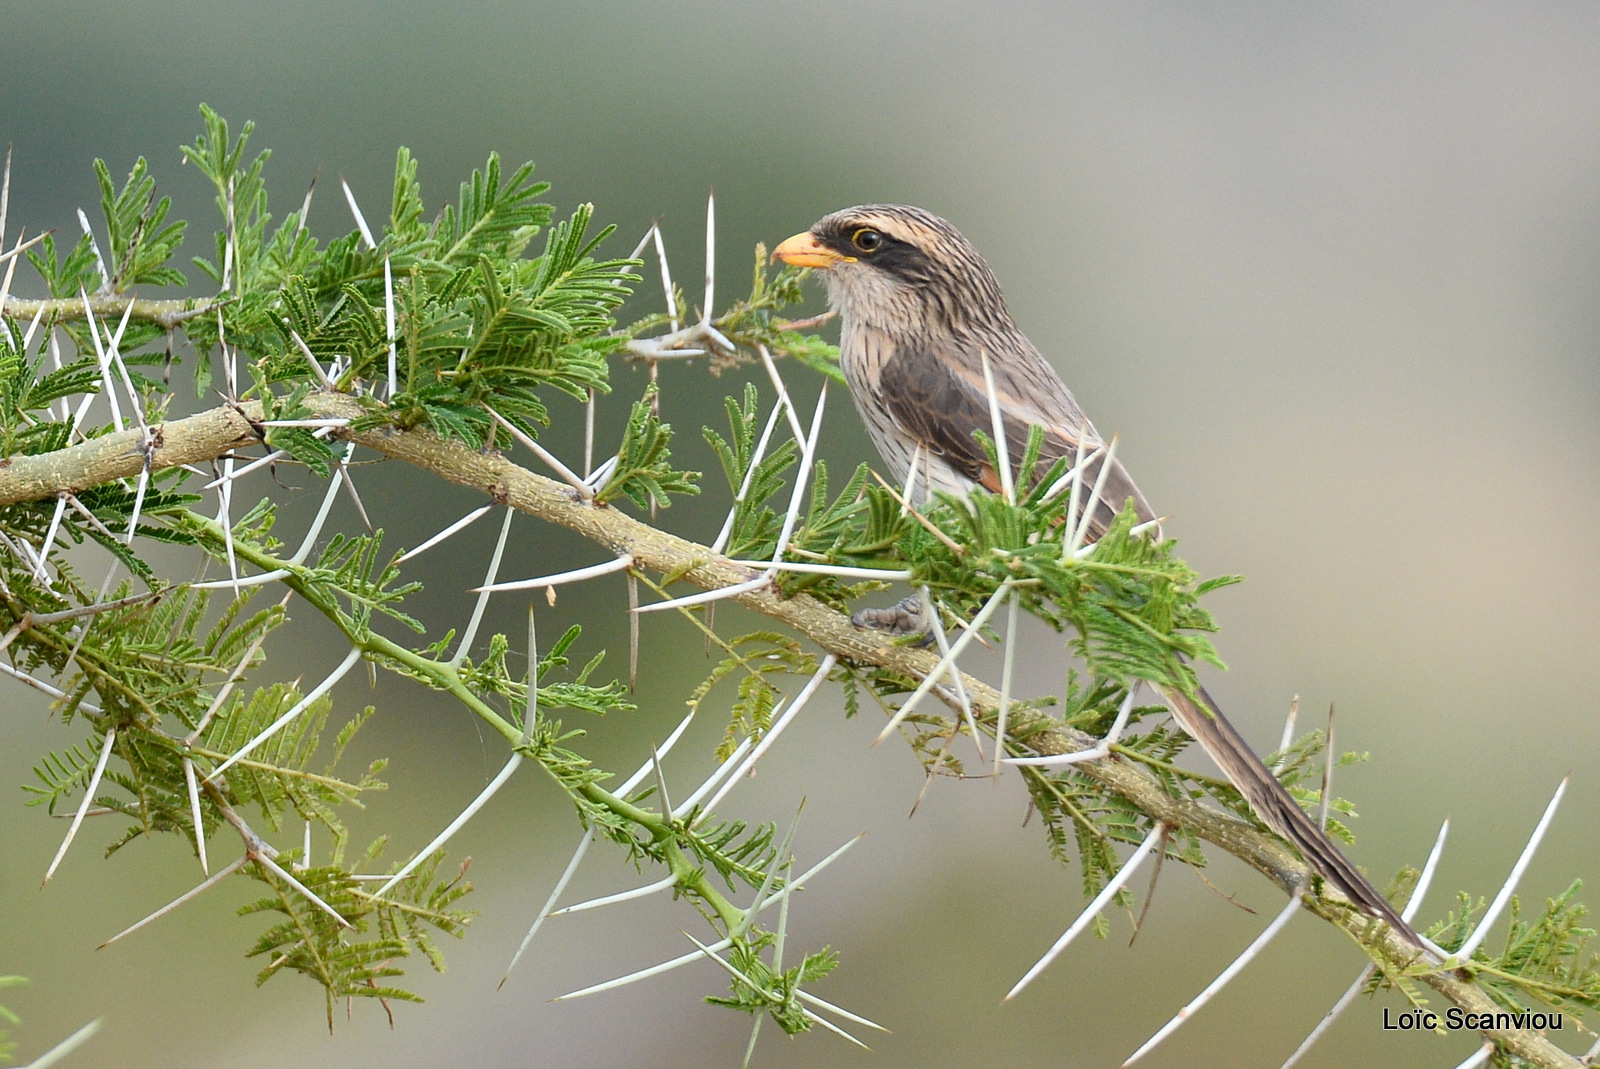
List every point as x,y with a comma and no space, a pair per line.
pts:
903,618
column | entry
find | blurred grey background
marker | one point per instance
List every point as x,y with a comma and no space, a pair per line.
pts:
1330,269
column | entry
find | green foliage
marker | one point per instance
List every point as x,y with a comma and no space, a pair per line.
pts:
642,473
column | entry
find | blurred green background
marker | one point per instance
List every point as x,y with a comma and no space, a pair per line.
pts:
1332,271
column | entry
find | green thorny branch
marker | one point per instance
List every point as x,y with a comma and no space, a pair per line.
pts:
424,342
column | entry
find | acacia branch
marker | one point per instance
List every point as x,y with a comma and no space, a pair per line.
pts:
164,313
209,434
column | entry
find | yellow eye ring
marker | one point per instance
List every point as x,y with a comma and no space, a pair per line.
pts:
867,239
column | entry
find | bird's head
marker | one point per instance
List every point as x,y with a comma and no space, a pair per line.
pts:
892,264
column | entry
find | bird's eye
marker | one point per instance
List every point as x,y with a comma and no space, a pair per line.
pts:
867,240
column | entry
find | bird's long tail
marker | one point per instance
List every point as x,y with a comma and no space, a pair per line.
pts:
1273,804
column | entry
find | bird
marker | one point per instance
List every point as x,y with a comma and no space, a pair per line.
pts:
922,319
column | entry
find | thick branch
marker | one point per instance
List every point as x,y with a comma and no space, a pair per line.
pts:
202,437
167,313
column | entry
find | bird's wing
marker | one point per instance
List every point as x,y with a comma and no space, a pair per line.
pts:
940,401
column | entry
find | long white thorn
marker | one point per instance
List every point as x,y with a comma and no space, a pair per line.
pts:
5,291
388,320
946,663
305,205
666,278
842,571
744,486
240,583
644,974
930,612
707,595
661,784
773,732
94,247
1006,671
5,196
303,554
1288,734
43,687
997,423
838,1011
566,473
305,892
1093,753
1074,499
316,366
483,598
1510,886
1093,503
575,575
792,516
355,210
106,385
1106,894
50,539
715,778
555,895
789,410
711,256
621,896
454,826
210,882
225,521
588,436
299,707
1478,1057
910,493
194,815
464,522
114,355
1424,881
66,1046
227,686
1238,964
142,486
88,801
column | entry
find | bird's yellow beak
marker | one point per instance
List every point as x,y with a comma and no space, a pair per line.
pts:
803,250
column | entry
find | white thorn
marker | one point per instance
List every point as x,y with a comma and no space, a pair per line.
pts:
842,571
464,522
1510,886
947,662
930,613
575,575
1106,894
1479,1057
783,394
773,732
388,319
707,595
744,485
544,454
1288,734
194,814
620,896
305,892
909,495
211,881
1001,448
105,364
711,256
1070,527
483,598
1250,952
1094,497
666,279
1423,882
66,1046
361,222
715,778
94,247
644,974
454,826
303,554
238,584
88,800
561,885
792,516
1012,639
1094,753
299,707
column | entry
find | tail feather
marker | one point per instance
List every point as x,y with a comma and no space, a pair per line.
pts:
1274,805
